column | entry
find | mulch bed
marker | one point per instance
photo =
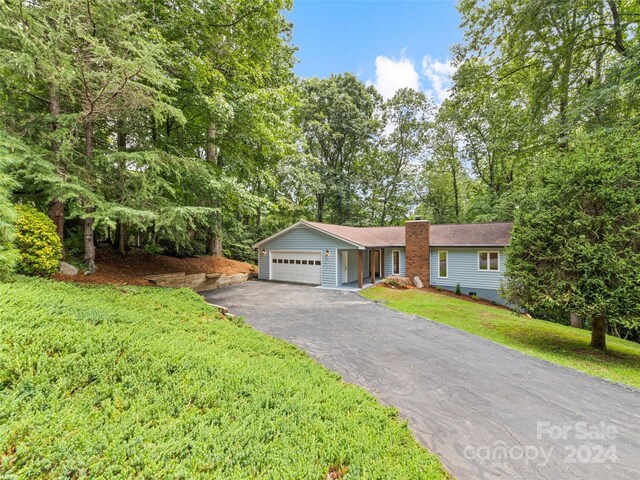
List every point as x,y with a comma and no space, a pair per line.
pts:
133,267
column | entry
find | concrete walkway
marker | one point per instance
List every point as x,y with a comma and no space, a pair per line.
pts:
487,411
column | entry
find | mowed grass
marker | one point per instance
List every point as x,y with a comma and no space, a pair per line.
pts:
550,341
123,382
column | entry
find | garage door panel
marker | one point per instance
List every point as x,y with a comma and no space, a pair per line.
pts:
298,267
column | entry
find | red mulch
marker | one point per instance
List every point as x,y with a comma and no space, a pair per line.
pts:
132,268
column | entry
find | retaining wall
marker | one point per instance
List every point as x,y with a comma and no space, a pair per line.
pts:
199,282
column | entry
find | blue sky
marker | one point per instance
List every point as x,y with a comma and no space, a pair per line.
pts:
391,44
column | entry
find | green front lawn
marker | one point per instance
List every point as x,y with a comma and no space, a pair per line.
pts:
122,382
550,341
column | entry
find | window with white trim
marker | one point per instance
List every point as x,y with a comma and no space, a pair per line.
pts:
489,261
395,262
443,263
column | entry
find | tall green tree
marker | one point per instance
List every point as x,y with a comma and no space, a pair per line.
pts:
576,242
392,165
339,121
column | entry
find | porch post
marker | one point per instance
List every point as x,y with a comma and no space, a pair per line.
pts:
360,279
372,266
382,263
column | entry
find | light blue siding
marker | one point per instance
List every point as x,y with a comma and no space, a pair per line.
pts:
306,239
463,269
388,259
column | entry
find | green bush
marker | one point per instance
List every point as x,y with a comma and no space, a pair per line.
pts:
38,243
139,382
458,290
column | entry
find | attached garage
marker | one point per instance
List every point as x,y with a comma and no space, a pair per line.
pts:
313,253
297,267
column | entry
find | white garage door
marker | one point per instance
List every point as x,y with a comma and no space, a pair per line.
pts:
298,267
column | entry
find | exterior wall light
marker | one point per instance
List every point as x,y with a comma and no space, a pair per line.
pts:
327,253
264,252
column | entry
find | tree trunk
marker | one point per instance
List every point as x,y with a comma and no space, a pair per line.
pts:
89,246
215,247
320,211
122,227
122,238
122,141
56,214
456,195
212,154
576,320
599,333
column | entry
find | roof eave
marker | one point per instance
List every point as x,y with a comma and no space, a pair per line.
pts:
468,245
308,225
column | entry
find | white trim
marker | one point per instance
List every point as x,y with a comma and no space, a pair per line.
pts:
488,269
393,270
305,224
446,262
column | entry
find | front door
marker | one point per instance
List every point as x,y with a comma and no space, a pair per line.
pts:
345,267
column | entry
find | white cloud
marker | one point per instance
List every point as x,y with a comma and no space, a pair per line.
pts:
439,76
392,75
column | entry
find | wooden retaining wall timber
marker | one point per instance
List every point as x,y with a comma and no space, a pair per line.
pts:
199,282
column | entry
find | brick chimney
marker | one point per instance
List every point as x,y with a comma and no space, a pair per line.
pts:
417,250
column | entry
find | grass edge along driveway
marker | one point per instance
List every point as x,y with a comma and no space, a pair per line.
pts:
121,382
549,341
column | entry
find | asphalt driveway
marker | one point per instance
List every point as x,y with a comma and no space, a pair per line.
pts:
486,410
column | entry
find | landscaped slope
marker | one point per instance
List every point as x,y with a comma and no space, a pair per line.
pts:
126,381
550,341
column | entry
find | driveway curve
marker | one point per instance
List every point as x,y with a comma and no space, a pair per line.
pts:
486,410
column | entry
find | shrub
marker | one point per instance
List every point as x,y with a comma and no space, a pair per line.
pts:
39,248
438,288
458,289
